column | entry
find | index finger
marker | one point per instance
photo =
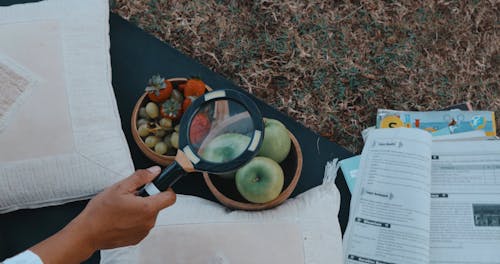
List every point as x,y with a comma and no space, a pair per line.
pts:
139,178
162,200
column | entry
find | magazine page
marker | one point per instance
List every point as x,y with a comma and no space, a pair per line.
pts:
389,217
465,203
439,123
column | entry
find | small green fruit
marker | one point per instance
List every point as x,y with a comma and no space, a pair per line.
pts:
141,122
161,148
166,123
143,130
152,110
225,147
160,133
151,141
174,140
143,113
260,181
167,141
276,143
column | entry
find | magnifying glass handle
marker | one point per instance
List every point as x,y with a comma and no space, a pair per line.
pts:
162,182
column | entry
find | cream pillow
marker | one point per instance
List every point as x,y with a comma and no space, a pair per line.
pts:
65,141
197,231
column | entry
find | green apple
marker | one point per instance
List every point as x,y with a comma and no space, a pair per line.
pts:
260,180
276,143
225,147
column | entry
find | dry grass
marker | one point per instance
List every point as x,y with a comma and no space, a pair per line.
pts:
331,64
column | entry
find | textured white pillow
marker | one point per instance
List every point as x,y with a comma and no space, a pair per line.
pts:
195,231
65,142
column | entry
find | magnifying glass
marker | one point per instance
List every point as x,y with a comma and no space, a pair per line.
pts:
220,132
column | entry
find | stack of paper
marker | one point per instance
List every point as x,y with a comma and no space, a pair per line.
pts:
424,197
456,124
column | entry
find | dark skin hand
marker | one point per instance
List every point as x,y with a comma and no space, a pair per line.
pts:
116,217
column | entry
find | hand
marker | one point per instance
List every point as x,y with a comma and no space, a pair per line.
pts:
115,217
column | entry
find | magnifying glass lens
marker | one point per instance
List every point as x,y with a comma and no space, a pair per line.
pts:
220,131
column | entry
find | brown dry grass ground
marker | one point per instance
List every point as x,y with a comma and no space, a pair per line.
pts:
331,64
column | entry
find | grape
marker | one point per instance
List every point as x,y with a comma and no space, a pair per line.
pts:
174,139
177,127
141,122
167,141
143,130
151,141
166,123
143,113
161,148
160,133
152,110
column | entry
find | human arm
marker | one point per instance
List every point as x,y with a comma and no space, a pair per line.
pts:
114,218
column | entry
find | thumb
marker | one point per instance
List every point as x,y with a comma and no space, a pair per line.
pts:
141,177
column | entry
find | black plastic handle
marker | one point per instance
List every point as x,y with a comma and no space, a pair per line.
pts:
162,182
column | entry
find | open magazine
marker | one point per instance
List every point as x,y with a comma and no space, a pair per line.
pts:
439,123
419,201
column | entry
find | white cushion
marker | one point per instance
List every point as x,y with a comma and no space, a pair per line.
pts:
301,230
65,141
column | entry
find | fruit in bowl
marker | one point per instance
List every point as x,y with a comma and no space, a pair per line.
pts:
263,182
225,147
276,143
260,180
159,89
157,113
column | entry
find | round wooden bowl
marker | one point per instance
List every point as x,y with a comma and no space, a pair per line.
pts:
143,100
226,193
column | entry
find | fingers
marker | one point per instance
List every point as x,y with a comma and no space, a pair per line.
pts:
162,200
140,177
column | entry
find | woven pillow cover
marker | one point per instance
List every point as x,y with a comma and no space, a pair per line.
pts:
64,142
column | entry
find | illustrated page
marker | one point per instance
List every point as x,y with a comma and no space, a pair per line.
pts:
465,203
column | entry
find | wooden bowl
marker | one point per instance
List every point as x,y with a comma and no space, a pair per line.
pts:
143,100
226,193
